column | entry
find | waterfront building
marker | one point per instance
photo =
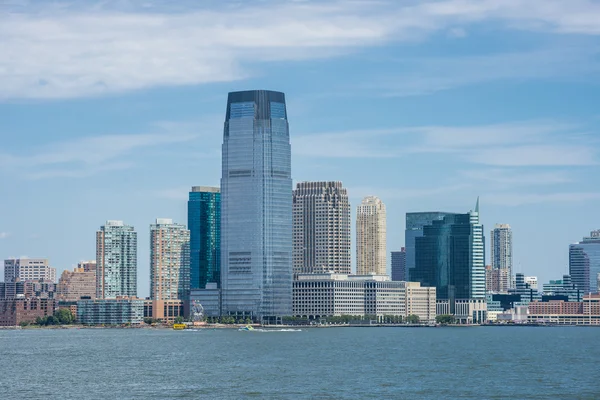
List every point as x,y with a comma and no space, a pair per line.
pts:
73,285
371,237
167,311
501,246
114,311
450,256
256,207
116,260
319,295
321,228
399,265
209,298
584,262
415,221
562,288
87,266
585,312
169,260
17,310
28,269
204,223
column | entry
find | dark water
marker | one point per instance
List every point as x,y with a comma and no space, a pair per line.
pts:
342,363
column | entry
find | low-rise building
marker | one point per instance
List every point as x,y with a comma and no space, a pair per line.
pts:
330,294
586,312
119,311
465,311
17,310
209,299
165,310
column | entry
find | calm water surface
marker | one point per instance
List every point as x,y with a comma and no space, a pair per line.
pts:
343,363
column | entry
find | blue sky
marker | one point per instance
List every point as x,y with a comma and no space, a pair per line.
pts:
114,109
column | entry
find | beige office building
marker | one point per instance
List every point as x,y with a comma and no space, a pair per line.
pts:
28,269
371,237
73,285
169,260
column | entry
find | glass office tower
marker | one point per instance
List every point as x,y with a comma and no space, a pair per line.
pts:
204,223
256,207
584,262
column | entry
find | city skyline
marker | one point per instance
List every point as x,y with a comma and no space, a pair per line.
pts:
425,106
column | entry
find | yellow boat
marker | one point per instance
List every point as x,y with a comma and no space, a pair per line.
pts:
178,327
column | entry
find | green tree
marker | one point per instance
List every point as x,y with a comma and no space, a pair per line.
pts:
24,323
179,320
444,319
413,319
64,316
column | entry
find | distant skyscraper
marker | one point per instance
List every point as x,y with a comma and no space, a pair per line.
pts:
371,252
584,262
116,260
28,269
321,216
415,221
87,266
204,223
256,206
502,248
399,265
450,256
169,260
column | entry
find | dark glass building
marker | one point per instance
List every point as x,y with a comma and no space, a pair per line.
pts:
450,256
399,265
256,208
204,223
584,263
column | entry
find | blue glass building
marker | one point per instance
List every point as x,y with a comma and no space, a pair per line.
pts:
204,223
256,207
399,265
584,262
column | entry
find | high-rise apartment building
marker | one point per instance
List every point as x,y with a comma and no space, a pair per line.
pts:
169,260
204,223
502,249
28,269
256,207
116,260
584,262
399,265
321,228
73,285
415,221
450,256
371,237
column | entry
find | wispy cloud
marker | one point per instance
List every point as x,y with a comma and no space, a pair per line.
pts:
69,50
510,177
4,235
520,199
405,193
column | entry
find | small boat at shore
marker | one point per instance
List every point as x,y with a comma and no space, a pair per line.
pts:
179,327
246,328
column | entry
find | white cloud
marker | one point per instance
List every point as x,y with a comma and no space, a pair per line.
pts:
69,50
520,199
506,177
4,235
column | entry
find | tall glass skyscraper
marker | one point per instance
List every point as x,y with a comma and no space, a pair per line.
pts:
256,207
116,260
204,223
399,265
584,262
415,221
450,256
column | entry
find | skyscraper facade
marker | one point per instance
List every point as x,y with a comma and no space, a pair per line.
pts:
399,265
321,228
169,260
584,262
415,221
450,256
502,249
116,260
371,236
256,206
204,223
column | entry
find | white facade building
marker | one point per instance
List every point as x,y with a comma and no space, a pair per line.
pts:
371,237
321,228
28,269
532,281
330,294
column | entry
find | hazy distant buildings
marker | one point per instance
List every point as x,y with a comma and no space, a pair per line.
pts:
256,207
563,289
502,252
204,223
116,260
28,269
321,228
497,280
415,221
532,281
169,260
73,285
584,262
87,266
399,265
371,252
